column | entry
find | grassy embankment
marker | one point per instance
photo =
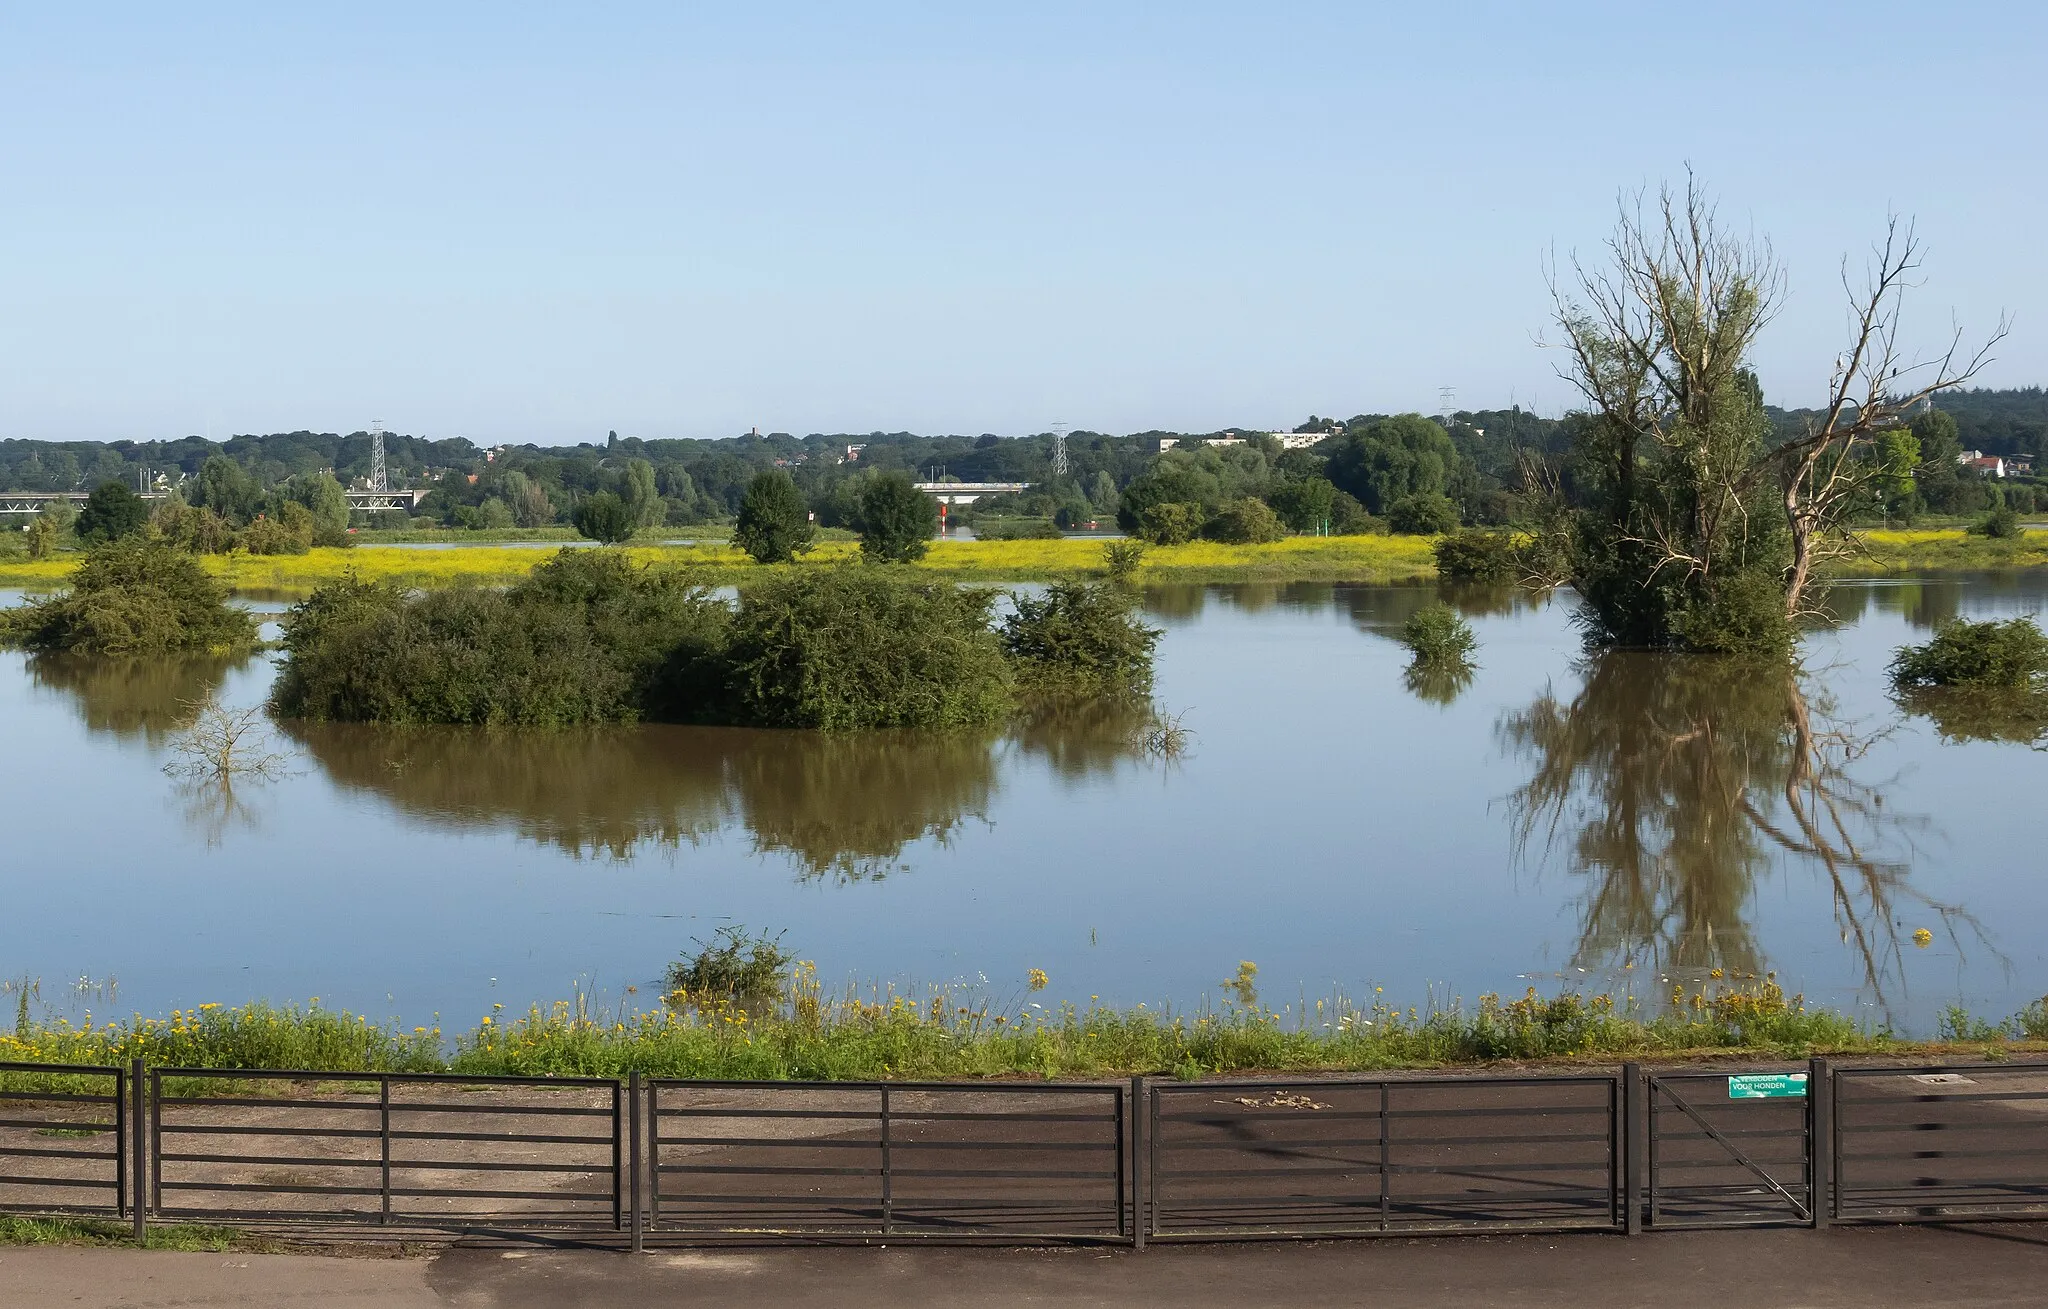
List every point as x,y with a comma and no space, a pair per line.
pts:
1305,558
946,1034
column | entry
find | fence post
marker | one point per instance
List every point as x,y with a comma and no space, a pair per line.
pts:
633,1164
1139,1125
887,1179
141,1148
1633,1129
384,1154
1820,1141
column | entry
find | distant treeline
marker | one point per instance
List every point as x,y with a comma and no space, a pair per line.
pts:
1480,468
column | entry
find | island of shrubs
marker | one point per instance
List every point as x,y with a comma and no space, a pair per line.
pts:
590,638
133,597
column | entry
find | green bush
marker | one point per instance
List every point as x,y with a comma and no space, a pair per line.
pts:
849,648
774,525
1245,521
1080,639
1423,514
1437,636
290,533
111,512
134,597
603,518
1348,517
586,639
1122,558
1477,556
732,966
2012,655
2002,523
1016,529
897,521
1305,504
195,529
1170,522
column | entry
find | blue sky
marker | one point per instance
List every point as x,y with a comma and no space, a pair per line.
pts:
540,223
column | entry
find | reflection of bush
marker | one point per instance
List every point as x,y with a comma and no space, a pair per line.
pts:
129,697
1961,714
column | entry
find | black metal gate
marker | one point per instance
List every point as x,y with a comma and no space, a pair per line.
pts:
1038,1160
63,1139
1396,1155
1940,1143
411,1149
1718,1158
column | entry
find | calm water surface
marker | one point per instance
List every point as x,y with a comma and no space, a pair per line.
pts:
1607,823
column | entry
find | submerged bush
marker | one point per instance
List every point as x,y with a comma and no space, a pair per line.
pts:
290,533
1436,635
586,638
897,521
1245,521
134,597
2012,655
847,648
1171,522
1080,639
731,966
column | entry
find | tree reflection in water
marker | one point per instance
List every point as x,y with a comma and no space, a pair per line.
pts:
840,806
149,698
1676,782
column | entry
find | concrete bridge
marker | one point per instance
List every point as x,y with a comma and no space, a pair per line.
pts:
966,493
29,503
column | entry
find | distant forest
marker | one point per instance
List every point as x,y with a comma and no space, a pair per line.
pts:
694,481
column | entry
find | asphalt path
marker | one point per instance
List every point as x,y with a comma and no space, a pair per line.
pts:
1939,1267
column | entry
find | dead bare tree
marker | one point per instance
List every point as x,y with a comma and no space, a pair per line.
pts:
223,746
1826,474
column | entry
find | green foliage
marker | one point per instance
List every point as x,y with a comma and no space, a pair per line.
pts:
1348,517
1245,521
2010,655
851,648
1304,503
1436,635
1016,529
289,533
733,967
133,597
1122,559
225,487
1080,639
897,521
1391,459
111,512
603,518
325,500
1423,514
774,526
585,639
1170,522
1473,555
2001,524
192,529
45,532
638,493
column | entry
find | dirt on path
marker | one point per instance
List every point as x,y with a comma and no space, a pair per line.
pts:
1937,1267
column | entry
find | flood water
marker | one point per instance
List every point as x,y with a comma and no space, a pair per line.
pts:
1603,824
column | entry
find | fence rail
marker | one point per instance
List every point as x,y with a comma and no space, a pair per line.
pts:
1152,1159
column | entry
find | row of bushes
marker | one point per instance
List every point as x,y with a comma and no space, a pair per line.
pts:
589,638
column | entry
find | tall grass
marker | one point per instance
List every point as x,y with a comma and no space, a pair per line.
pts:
870,1033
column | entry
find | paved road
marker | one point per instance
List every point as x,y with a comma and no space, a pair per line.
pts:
1944,1268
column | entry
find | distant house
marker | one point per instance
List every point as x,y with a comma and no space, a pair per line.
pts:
853,452
1987,465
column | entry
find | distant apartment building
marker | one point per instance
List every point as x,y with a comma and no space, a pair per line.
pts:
1287,440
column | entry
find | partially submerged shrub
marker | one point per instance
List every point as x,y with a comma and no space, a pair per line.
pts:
1437,636
774,525
603,518
849,648
1080,639
586,638
290,533
2012,655
897,521
134,597
1016,529
1478,556
732,967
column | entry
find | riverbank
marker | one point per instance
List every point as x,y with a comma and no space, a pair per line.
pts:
944,1034
1306,558
1355,559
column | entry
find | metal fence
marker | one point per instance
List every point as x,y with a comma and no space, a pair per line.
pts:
889,1159
1355,1157
679,1161
63,1140
1938,1143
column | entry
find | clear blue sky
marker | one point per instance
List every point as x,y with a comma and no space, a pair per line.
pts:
540,222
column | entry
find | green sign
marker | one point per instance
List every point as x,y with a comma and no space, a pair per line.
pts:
1766,1086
